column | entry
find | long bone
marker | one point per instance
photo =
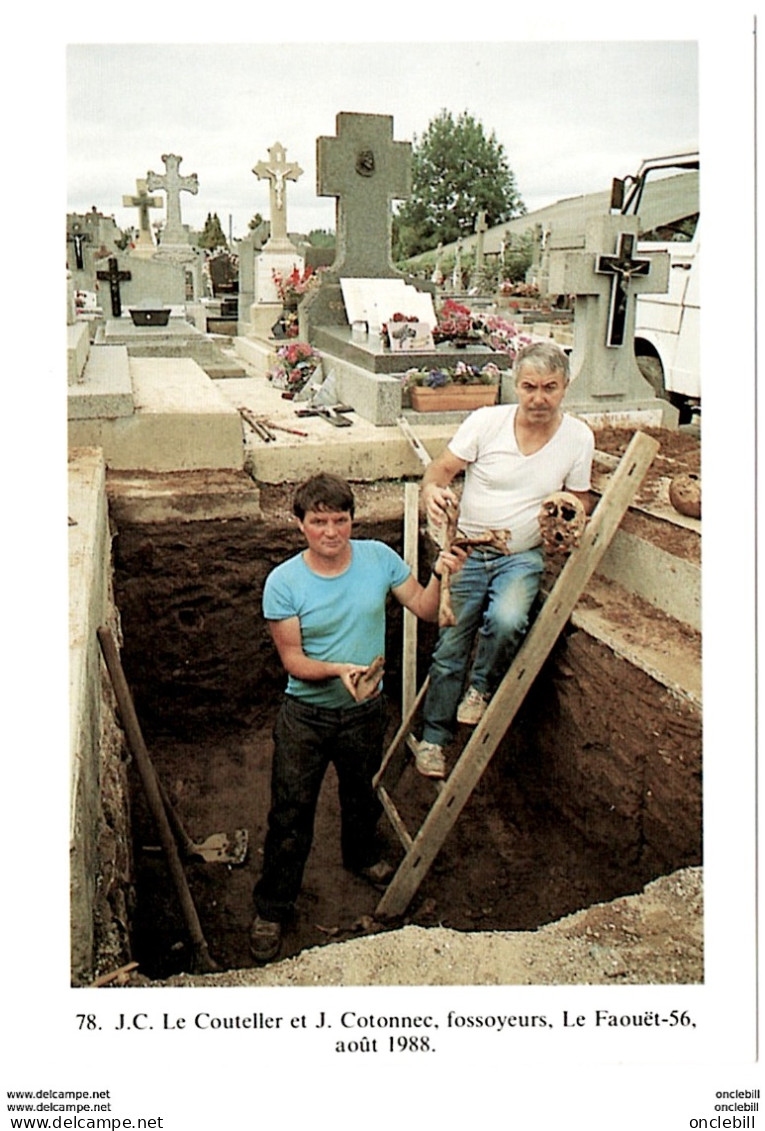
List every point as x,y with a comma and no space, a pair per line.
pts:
454,537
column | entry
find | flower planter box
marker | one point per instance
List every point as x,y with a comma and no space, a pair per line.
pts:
451,398
143,316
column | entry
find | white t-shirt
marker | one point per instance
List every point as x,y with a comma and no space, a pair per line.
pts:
504,488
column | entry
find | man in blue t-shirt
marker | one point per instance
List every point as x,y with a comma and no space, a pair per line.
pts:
325,609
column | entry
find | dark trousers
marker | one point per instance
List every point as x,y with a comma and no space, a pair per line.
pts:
306,740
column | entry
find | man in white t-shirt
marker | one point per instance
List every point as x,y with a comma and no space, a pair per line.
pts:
513,456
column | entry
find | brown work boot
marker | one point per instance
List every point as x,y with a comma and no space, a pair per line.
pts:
265,939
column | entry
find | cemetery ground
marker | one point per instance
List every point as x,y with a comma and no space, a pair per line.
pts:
519,892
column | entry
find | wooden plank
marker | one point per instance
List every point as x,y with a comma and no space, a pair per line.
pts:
395,818
525,667
419,448
411,539
395,756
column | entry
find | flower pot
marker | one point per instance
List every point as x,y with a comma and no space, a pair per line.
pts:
145,316
451,398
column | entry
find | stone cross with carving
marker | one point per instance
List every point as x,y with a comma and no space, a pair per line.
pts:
366,170
606,285
622,268
173,184
143,202
277,170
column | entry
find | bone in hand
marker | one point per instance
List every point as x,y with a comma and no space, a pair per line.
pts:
366,683
489,540
446,615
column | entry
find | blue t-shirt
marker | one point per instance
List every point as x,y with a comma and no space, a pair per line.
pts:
342,618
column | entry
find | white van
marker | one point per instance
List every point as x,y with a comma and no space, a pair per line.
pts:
665,194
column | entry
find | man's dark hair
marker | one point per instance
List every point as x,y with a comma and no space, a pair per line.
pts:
323,492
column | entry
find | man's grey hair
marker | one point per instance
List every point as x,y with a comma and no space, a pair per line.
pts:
544,357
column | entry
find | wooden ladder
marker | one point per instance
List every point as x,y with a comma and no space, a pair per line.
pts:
422,847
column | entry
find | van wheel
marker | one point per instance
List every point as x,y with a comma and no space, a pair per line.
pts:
653,371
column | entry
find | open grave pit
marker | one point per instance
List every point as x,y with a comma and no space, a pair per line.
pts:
595,791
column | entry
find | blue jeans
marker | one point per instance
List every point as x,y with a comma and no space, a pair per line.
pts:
492,594
306,740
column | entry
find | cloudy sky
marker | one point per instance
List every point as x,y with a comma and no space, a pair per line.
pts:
570,115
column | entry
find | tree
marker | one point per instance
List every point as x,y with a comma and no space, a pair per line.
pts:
320,237
457,170
212,233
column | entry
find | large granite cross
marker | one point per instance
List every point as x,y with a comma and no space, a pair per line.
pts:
114,277
143,202
366,170
277,170
173,184
606,284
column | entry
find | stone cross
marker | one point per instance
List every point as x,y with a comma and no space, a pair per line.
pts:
143,202
480,228
457,272
438,276
366,170
603,366
277,171
173,184
114,277
478,280
622,268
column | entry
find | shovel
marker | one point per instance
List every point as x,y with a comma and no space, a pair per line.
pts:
217,848
202,962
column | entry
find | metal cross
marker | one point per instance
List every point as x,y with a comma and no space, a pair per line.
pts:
78,238
114,277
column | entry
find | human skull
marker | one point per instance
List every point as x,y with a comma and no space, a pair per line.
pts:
685,494
562,519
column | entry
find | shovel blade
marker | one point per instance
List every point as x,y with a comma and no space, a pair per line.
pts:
219,848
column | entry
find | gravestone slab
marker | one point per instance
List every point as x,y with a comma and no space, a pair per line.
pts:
375,301
77,350
105,389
